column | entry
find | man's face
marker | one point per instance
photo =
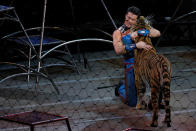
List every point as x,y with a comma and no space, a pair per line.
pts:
130,19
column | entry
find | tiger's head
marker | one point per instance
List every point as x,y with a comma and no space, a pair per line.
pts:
143,23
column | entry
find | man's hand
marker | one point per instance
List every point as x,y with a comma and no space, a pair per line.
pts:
143,45
134,35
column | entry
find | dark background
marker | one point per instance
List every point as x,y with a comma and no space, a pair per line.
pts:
84,15
92,11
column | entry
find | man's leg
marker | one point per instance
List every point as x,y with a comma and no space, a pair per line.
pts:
132,93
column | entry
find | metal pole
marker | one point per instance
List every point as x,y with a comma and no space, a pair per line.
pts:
23,29
68,125
109,14
30,45
41,41
29,65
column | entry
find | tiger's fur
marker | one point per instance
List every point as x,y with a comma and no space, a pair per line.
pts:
152,70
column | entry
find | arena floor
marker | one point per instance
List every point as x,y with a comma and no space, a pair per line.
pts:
88,99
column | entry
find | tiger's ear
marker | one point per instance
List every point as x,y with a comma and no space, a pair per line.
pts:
141,20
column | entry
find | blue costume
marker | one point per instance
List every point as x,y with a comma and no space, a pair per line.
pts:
127,90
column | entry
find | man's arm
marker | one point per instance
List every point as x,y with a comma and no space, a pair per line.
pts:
154,32
120,48
117,43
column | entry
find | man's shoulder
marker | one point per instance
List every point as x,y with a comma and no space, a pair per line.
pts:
117,32
122,30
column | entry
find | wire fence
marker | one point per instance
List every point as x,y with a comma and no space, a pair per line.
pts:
88,98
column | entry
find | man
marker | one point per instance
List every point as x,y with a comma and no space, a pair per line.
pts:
123,42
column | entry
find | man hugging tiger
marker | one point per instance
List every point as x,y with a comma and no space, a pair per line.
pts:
143,66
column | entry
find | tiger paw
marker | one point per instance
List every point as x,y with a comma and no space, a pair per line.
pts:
167,121
138,106
141,106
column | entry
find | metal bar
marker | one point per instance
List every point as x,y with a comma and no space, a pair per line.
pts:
182,16
164,31
75,41
42,31
29,65
7,18
102,31
33,72
41,42
34,28
30,43
109,14
22,67
68,125
5,10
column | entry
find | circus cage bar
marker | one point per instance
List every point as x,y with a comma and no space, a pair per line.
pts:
59,70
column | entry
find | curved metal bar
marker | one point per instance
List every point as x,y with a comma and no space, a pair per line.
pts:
31,29
23,67
182,16
75,41
22,52
23,29
33,71
7,18
15,64
31,47
51,65
15,75
102,31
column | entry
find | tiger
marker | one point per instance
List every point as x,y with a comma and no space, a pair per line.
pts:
152,70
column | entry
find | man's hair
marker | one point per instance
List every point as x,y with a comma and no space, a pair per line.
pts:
134,10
